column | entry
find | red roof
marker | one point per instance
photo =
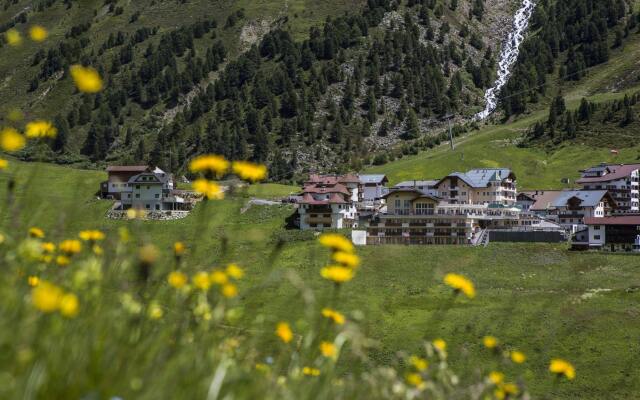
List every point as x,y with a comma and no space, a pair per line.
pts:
333,199
617,172
127,168
336,188
618,220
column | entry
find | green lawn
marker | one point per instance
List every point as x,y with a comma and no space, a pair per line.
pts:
535,298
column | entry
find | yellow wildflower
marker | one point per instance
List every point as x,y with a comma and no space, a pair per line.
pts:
13,37
213,164
337,273
418,363
38,33
506,390
346,259
97,250
46,258
91,235
249,171
309,371
283,331
460,284
561,367
518,357
490,342
33,281
46,297
328,349
208,189
48,247
229,290
440,345
234,271
134,213
333,315
11,140
63,261
148,254
179,248
155,311
3,164
177,279
87,79
336,242
40,129
201,281
219,277
415,379
496,377
69,305
36,232
1,238
70,246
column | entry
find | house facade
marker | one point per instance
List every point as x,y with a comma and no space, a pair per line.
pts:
571,207
615,233
479,186
621,180
152,190
371,190
329,201
118,179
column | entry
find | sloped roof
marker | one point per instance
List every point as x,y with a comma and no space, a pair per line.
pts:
158,178
416,192
615,172
588,198
619,220
334,198
372,178
417,183
127,168
479,178
335,188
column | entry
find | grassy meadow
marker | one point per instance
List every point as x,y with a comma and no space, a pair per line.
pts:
540,299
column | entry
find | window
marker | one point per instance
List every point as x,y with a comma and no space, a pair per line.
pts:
398,204
157,196
157,206
137,186
137,195
148,206
596,227
596,237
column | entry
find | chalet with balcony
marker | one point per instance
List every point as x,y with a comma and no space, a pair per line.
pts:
570,207
329,201
118,179
479,186
620,180
372,188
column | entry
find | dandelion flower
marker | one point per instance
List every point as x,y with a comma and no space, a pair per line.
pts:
234,271
346,259
33,281
38,33
13,37
333,315
48,247
177,279
3,164
229,290
209,164
328,349
309,371
490,342
249,171
415,379
11,140
70,246
148,254
69,305
36,232
155,311
134,213
496,377
201,281
219,277
336,242
561,367
91,235
506,390
337,273
208,189
46,297
460,284
40,129
440,345
418,363
63,261
283,331
87,79
518,357
179,248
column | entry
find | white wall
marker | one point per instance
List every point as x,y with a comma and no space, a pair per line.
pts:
596,235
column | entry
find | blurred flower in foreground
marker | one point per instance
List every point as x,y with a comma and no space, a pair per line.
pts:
346,259
249,171
178,249
36,232
11,140
70,246
40,129
177,279
518,357
155,311
460,284
13,37
229,290
506,391
134,213
33,281
337,273
333,315
440,345
219,277
91,235
3,164
328,349
46,297
490,342
336,242
87,79
38,33
234,271
283,331
418,363
416,380
201,281
309,371
209,164
561,367
496,377
69,305
210,190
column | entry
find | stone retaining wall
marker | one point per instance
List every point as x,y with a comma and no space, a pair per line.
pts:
151,215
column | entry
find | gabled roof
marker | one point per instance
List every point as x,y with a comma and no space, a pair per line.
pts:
413,191
416,183
618,220
334,198
543,198
156,178
335,188
127,168
480,178
380,178
614,172
588,198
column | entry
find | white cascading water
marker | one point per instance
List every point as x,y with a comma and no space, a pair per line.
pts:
508,56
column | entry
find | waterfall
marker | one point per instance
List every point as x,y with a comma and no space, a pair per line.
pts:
508,56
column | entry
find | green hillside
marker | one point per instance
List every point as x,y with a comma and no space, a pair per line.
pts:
550,303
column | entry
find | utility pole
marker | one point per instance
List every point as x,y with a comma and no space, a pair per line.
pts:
449,117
